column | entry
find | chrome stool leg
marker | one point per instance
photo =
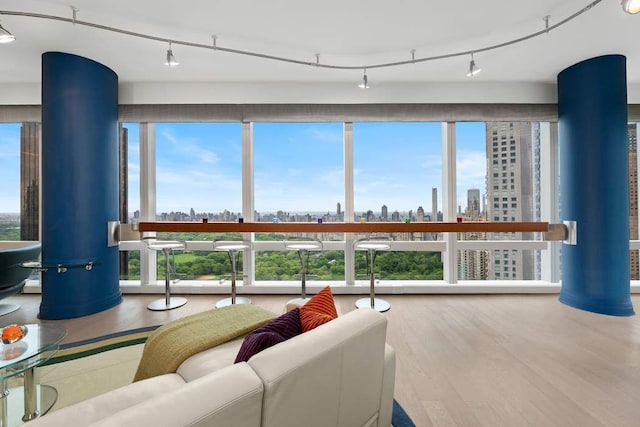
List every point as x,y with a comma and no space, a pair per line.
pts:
372,302
169,302
302,246
232,249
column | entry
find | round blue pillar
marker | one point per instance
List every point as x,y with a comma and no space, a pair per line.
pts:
79,186
592,124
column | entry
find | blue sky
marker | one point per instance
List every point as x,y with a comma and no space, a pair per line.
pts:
10,168
298,166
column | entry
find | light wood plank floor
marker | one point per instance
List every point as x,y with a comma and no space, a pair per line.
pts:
465,360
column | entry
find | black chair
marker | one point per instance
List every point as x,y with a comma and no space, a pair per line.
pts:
13,275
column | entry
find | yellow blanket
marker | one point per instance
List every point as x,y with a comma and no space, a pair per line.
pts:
171,344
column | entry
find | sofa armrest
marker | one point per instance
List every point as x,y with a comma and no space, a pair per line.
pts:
388,386
103,406
228,397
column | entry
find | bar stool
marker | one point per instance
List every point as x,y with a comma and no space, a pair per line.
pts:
167,247
372,246
232,248
303,246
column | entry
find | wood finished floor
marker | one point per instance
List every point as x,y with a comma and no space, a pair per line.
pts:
465,360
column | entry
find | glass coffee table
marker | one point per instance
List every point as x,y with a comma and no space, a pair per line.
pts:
21,358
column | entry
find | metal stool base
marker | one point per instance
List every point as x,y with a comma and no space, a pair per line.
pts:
8,308
378,304
161,304
227,301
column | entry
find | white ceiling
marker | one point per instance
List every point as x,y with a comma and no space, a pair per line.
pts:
352,33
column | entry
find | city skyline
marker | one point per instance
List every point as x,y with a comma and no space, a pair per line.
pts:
297,166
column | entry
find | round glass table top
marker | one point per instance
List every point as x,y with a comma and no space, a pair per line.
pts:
39,345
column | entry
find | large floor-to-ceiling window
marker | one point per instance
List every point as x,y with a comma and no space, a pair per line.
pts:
332,171
298,176
397,177
498,166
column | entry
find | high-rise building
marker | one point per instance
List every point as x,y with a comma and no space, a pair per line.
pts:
473,263
384,212
420,214
634,261
510,194
29,181
537,208
370,216
434,204
473,203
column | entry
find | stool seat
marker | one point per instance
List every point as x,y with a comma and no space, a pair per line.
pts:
377,246
166,246
298,246
161,245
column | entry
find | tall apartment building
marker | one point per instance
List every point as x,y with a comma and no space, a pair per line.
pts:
434,204
510,191
473,264
29,181
473,203
634,261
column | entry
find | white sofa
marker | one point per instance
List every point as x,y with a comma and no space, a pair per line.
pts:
340,374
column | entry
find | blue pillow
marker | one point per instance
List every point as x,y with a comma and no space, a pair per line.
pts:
278,330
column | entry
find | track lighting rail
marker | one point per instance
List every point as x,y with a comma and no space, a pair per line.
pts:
316,62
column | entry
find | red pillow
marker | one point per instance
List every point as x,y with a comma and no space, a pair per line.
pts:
318,310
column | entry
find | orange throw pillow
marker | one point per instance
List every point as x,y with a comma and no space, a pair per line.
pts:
318,310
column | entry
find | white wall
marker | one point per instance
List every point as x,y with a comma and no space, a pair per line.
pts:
318,93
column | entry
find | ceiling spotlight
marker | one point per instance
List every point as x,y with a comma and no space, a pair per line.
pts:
365,82
171,60
473,68
631,6
5,35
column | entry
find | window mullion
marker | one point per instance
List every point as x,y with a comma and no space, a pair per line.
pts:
349,256
449,256
148,270
248,188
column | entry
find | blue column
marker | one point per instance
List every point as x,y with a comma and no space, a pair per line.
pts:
79,186
592,123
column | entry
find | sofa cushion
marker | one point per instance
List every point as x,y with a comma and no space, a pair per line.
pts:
210,360
278,330
318,310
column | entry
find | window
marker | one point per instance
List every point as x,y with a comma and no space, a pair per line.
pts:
299,177
198,175
397,167
10,196
130,138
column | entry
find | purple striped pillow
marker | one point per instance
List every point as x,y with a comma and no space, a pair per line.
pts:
278,330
